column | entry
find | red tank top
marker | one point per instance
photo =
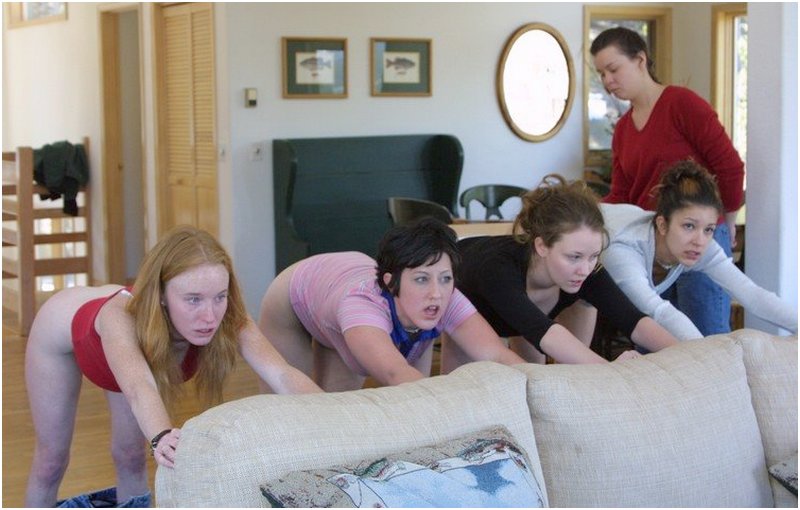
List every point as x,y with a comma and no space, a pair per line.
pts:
89,352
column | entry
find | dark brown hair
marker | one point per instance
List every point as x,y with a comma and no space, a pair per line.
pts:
555,208
408,246
685,184
627,41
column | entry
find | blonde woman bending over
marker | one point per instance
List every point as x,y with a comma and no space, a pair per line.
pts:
184,317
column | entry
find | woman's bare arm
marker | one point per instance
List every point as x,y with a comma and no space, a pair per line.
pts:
374,350
479,341
651,335
270,366
133,375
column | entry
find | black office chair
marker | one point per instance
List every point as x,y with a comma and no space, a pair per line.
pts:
491,196
404,210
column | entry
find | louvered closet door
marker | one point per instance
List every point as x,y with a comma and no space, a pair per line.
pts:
191,164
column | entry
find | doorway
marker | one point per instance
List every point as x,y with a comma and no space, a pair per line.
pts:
122,151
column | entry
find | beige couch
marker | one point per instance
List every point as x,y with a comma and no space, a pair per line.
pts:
695,425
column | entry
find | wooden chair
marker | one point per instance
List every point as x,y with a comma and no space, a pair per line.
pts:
491,196
31,247
404,210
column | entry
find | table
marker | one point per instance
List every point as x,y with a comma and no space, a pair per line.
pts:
482,228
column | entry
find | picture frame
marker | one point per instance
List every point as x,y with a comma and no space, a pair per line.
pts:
401,67
314,67
23,14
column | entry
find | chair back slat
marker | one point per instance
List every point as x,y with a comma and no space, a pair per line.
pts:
490,196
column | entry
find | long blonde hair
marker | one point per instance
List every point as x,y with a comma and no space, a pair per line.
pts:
555,208
180,250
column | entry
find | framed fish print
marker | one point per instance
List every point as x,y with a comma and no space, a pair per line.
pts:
401,67
314,67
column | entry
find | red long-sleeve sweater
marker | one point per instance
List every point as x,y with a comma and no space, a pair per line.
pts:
682,125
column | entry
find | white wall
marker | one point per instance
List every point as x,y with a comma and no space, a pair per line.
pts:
772,166
467,41
691,46
51,92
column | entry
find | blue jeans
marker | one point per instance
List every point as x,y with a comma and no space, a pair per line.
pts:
105,498
706,304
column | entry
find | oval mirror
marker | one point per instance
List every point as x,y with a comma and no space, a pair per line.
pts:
534,82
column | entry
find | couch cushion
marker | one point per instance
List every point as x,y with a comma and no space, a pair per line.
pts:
771,365
670,429
483,469
226,452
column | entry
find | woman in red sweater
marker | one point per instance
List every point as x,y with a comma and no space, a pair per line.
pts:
664,125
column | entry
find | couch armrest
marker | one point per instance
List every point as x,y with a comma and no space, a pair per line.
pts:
771,365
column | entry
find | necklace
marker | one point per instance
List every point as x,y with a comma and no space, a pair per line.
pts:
412,331
665,266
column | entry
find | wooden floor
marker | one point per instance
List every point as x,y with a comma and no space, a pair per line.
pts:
90,465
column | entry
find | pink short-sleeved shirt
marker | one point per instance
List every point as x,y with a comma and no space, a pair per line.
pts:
333,292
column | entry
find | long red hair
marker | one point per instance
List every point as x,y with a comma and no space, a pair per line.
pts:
181,249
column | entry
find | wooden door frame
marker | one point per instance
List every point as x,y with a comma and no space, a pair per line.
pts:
722,67
159,89
111,147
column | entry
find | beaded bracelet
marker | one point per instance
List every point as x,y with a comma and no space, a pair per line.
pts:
157,438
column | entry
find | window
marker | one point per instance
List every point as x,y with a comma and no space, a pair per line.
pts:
601,109
729,77
21,14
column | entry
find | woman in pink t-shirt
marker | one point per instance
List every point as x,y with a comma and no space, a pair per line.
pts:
340,317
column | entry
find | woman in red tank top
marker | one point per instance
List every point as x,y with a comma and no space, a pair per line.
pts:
183,317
